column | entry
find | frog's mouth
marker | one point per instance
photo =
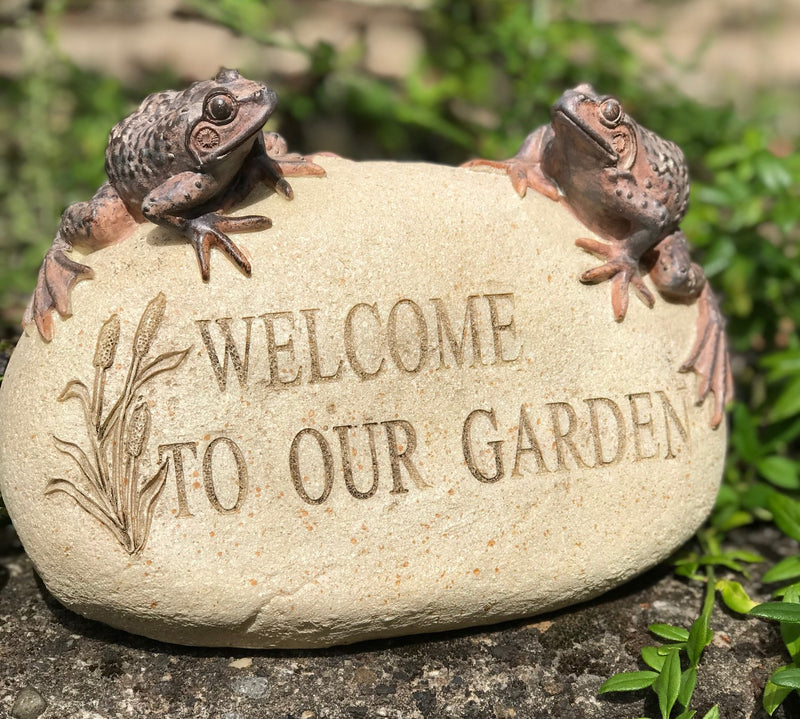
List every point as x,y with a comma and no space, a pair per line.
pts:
560,115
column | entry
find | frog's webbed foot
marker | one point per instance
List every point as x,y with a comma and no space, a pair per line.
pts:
210,230
523,173
709,357
621,269
57,275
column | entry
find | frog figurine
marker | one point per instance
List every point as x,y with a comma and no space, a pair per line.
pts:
176,161
631,187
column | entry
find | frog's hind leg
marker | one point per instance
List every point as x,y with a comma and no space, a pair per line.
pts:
709,357
621,269
98,223
268,162
681,280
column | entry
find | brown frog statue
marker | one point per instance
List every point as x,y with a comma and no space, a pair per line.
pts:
631,187
176,161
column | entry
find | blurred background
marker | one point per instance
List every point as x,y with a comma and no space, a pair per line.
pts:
443,81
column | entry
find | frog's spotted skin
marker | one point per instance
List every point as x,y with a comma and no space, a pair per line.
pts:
631,187
176,161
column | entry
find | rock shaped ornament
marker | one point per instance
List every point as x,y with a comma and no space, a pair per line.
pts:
410,416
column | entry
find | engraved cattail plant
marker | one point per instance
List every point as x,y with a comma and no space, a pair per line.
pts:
104,353
110,485
135,438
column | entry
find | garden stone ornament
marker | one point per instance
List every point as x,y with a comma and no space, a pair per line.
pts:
396,410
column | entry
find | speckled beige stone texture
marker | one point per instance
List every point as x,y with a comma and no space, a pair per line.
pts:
412,417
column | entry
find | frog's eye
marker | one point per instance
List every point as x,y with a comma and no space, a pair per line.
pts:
611,112
220,108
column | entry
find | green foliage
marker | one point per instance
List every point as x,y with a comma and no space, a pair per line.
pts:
673,686
783,681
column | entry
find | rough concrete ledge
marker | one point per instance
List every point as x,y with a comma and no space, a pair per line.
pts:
54,664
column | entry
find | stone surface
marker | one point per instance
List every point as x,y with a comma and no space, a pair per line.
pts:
434,423
547,668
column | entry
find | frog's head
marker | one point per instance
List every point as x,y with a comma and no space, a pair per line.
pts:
594,128
227,111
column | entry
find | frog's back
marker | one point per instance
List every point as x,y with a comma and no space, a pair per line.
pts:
142,147
670,171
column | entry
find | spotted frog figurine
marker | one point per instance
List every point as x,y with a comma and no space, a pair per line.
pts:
178,160
631,187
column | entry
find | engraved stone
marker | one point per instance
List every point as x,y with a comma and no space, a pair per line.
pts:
412,417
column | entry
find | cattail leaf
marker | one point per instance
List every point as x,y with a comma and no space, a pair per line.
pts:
78,456
86,503
163,363
147,501
76,389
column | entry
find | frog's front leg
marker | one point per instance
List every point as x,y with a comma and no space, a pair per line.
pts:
98,223
621,267
681,280
268,161
170,203
525,168
289,164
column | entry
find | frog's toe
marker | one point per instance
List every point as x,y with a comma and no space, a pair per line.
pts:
619,295
57,275
606,250
642,290
709,357
210,231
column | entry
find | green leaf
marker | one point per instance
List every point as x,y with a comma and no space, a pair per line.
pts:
788,568
779,611
669,632
653,658
734,596
668,684
712,713
788,402
688,682
790,633
789,678
700,637
780,471
774,696
783,591
688,714
628,682
785,513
